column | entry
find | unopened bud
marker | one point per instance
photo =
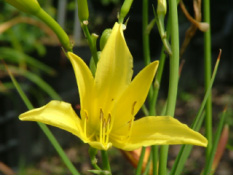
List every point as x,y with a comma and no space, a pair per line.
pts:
83,12
162,7
104,37
125,10
28,6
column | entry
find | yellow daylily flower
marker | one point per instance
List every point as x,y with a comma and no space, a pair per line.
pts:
109,102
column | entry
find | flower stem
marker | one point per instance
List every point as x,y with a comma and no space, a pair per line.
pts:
140,162
61,34
91,41
207,65
145,34
173,78
154,152
159,74
208,168
147,60
106,165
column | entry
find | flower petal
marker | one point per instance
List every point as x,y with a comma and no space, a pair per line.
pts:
134,96
114,69
56,113
161,130
84,80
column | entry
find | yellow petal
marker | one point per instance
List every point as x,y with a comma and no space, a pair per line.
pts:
134,96
114,69
160,131
56,113
84,80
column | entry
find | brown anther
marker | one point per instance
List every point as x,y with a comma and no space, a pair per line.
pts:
130,123
109,118
101,114
133,106
86,115
104,123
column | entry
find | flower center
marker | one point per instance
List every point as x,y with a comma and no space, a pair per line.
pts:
105,127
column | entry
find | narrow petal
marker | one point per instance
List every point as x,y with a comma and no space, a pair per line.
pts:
134,96
160,131
56,113
84,80
114,69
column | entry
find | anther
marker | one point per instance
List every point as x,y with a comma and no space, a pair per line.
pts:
101,114
130,123
130,127
132,111
109,119
86,116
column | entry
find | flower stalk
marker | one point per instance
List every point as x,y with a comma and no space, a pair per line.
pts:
207,72
61,34
173,77
91,39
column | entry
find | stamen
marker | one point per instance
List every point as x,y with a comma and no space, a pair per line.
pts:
85,122
130,126
132,111
104,131
109,123
105,127
101,125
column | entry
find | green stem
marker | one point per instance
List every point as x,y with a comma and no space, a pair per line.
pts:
147,59
91,42
157,83
58,148
140,162
173,78
92,153
163,35
106,165
145,34
61,34
209,162
207,64
148,165
153,102
186,149
154,152
160,71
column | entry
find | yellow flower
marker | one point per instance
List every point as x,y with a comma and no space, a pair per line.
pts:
109,102
27,6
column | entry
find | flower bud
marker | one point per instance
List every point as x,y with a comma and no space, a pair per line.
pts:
83,12
162,7
104,37
28,6
125,9
92,64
